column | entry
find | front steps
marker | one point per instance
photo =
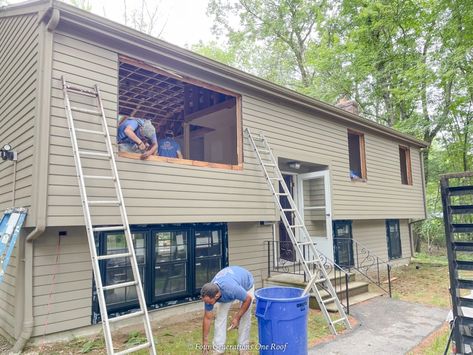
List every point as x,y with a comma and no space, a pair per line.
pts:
358,291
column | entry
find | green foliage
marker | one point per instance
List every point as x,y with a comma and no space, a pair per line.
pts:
432,232
90,345
135,338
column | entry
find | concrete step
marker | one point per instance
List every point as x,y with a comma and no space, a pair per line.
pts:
356,299
293,280
354,288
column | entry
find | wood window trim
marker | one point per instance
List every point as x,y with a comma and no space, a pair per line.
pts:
407,154
203,164
238,112
361,135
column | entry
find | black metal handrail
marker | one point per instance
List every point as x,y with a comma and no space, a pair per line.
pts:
359,258
282,258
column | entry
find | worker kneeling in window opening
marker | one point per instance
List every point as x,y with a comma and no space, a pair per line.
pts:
137,135
232,283
168,147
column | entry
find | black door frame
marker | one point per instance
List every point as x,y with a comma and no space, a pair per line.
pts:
286,248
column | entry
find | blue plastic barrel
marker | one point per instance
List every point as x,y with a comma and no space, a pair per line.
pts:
282,320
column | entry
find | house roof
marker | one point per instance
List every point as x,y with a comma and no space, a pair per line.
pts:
104,29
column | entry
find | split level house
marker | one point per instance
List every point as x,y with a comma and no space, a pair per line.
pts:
351,177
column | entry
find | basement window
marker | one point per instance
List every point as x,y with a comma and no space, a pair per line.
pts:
405,161
204,120
356,154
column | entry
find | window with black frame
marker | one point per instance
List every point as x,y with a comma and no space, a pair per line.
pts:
170,270
118,270
174,262
393,235
208,255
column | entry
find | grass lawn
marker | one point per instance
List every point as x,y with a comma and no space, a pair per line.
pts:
177,338
421,282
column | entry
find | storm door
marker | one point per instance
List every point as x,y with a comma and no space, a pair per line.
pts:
315,208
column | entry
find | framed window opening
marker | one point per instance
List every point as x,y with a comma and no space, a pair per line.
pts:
405,165
174,262
393,235
356,155
204,119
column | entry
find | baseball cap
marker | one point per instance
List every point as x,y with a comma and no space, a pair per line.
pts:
148,129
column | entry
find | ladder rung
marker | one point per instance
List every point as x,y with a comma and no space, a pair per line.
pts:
264,150
90,131
275,178
135,348
282,194
269,164
113,256
466,284
288,209
296,226
123,284
99,177
126,316
338,320
92,153
320,280
328,300
462,227
81,91
460,190
87,111
315,261
463,209
462,246
464,265
109,228
305,243
104,202
465,302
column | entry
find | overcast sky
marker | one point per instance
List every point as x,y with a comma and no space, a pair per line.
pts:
186,21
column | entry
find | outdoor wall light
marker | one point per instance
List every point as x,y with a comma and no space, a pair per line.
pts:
294,165
7,153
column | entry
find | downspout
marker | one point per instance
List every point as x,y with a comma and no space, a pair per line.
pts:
411,222
41,173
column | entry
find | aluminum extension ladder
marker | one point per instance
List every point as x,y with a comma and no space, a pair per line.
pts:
117,202
310,258
457,201
10,226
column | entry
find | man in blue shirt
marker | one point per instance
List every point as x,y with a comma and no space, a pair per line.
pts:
168,147
232,283
137,135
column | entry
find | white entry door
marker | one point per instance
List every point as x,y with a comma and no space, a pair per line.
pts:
314,204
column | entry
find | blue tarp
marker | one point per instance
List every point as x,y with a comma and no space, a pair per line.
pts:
10,227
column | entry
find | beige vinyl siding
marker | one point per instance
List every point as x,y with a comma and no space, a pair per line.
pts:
300,136
62,281
371,234
18,83
247,248
9,295
154,192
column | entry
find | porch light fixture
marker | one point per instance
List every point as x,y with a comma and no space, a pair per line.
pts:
7,153
294,165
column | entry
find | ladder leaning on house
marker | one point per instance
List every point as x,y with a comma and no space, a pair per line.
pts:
92,228
310,258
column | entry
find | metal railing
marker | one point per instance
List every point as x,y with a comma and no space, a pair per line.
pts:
282,259
352,255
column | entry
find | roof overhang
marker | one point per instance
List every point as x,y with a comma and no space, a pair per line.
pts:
102,29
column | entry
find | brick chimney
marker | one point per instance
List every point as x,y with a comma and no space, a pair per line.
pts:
348,105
